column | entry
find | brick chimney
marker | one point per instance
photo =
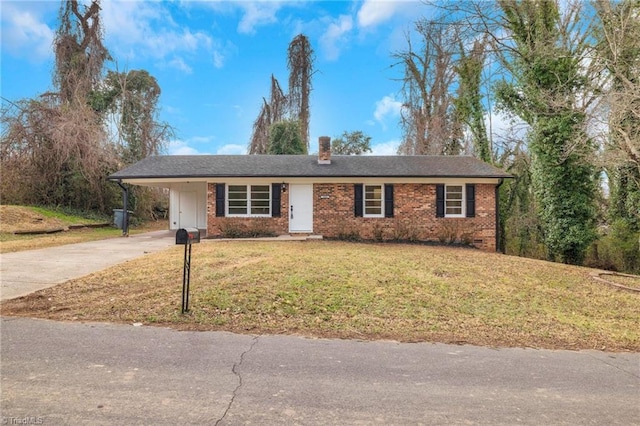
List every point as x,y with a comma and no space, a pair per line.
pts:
324,153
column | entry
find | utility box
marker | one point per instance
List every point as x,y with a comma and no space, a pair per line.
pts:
186,236
118,218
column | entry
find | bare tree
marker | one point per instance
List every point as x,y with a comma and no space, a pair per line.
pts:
54,149
427,117
259,142
468,104
271,112
133,100
80,54
300,64
619,52
293,106
278,102
54,156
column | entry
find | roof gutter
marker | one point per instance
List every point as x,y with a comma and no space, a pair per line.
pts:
320,176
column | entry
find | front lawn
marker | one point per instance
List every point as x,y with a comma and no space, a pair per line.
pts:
363,291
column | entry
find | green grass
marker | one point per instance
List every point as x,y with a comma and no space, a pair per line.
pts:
71,217
350,290
28,218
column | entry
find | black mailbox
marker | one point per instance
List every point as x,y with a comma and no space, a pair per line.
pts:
187,236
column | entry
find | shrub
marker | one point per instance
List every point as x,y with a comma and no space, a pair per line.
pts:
378,232
260,228
256,228
400,231
403,231
616,250
349,233
455,232
232,228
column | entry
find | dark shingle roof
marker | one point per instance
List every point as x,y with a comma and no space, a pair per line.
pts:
216,166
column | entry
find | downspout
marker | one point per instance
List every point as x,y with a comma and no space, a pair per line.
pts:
125,212
497,197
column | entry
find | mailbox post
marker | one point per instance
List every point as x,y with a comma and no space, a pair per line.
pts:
186,237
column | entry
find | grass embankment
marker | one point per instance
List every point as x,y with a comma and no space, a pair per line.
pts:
347,290
56,227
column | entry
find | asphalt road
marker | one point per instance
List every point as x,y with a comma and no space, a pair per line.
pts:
101,374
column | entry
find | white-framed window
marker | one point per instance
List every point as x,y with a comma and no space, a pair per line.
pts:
373,201
454,201
249,200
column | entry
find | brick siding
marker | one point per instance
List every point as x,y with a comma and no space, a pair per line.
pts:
414,216
217,225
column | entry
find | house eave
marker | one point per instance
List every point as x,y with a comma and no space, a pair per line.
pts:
165,181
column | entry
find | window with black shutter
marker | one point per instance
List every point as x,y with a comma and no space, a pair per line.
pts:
276,190
220,200
471,200
388,200
357,200
440,200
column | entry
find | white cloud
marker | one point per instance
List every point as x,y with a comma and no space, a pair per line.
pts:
387,107
146,29
232,149
181,147
334,37
504,127
201,139
253,14
179,64
222,51
23,32
218,59
257,14
385,148
374,12
189,147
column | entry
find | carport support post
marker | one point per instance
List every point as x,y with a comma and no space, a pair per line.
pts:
125,211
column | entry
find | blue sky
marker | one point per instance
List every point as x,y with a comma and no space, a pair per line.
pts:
213,61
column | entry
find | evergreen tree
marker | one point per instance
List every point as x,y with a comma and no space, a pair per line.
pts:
285,139
351,143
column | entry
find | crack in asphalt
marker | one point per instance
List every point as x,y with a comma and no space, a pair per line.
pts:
235,371
631,373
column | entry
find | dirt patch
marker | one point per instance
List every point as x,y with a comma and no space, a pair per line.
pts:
17,218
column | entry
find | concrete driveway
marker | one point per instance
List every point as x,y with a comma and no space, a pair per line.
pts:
24,272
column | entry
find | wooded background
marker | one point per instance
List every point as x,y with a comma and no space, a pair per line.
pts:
567,73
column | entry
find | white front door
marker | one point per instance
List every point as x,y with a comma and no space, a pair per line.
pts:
187,208
301,208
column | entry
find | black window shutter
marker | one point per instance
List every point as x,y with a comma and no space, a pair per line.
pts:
440,200
357,197
276,190
388,200
471,200
220,193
